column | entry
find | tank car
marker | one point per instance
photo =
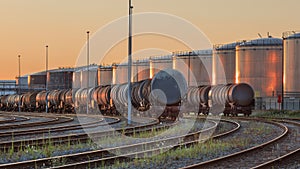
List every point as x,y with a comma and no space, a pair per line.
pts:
67,101
82,97
54,100
41,101
237,98
29,102
4,102
102,97
197,99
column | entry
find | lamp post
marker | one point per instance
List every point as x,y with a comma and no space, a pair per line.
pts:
88,70
19,102
46,79
129,62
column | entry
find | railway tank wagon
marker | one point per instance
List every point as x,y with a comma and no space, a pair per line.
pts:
236,98
159,97
29,102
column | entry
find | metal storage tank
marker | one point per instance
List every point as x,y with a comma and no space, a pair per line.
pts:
37,81
141,70
291,63
160,63
76,81
224,63
196,66
105,74
60,79
82,72
259,63
120,73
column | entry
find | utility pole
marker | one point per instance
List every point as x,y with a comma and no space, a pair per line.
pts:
129,62
88,70
46,79
19,103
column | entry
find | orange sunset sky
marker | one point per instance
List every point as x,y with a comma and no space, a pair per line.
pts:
28,25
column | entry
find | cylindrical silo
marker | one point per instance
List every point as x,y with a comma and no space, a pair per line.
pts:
121,73
105,75
259,63
88,76
291,64
224,63
196,66
141,70
160,63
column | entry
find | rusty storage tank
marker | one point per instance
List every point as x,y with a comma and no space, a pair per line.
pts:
60,79
105,75
160,63
224,58
140,70
291,43
37,81
196,66
259,63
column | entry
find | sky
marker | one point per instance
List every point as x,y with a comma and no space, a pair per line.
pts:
27,26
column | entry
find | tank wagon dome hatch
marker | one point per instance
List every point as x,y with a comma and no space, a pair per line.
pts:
263,42
168,86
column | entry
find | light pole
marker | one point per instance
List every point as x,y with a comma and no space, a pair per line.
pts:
88,69
19,103
129,62
46,79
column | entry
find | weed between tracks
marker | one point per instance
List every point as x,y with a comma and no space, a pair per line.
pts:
201,151
278,114
49,149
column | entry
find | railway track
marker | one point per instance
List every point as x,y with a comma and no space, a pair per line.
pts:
263,155
75,137
58,128
126,152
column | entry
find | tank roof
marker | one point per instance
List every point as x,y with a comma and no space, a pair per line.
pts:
263,42
293,36
229,46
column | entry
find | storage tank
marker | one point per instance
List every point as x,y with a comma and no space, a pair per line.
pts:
60,79
82,74
291,63
160,63
224,63
259,63
141,70
120,73
37,81
105,75
196,66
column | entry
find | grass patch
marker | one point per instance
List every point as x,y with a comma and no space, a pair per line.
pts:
278,114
